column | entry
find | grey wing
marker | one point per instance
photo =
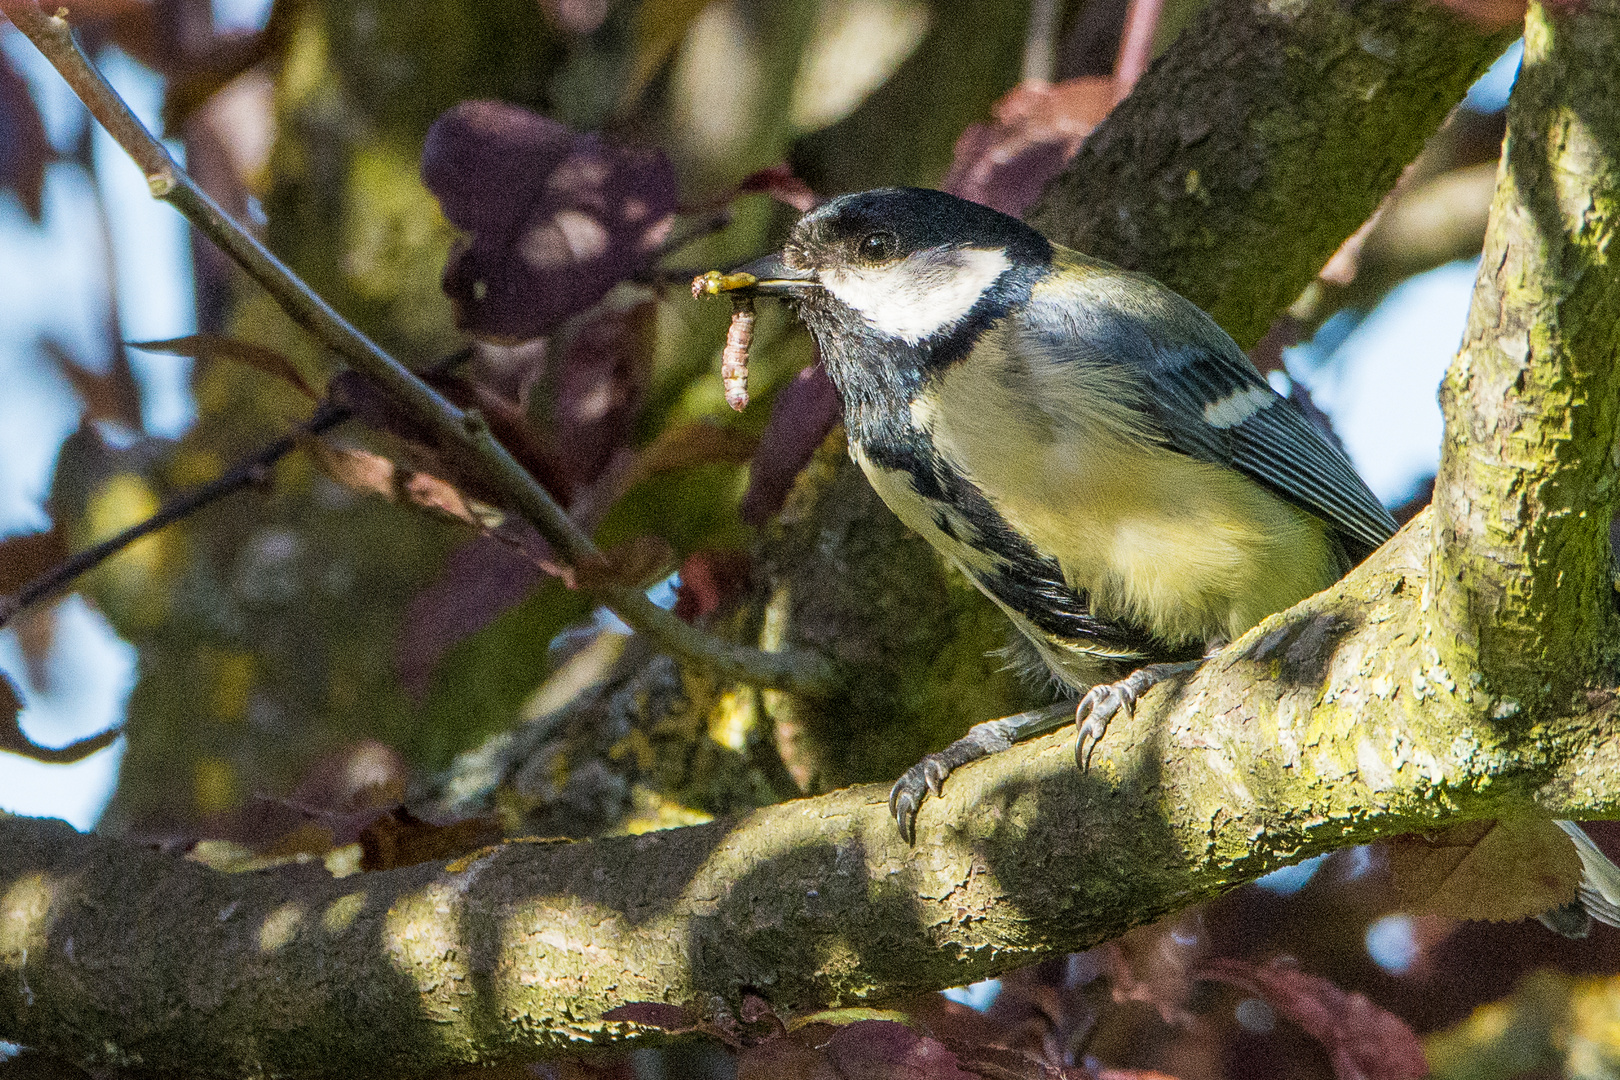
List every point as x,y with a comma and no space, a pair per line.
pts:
1213,405
1207,397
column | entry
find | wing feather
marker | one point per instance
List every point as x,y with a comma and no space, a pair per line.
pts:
1208,399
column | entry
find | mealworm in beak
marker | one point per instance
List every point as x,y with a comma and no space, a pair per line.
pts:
734,359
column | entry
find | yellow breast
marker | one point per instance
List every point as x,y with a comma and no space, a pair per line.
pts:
1186,549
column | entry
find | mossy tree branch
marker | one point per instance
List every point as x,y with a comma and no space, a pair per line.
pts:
1526,492
1267,134
1324,726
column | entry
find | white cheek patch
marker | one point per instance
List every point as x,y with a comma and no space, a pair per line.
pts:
921,294
1238,406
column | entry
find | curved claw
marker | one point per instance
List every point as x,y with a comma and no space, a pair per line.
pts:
1100,705
915,785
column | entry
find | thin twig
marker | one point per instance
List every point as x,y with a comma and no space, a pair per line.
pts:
802,672
246,473
1040,41
1136,44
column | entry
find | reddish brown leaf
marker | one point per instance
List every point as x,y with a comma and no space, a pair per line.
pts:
654,1014
601,383
373,474
1496,870
207,346
24,150
1363,1041
555,218
403,839
1038,128
12,738
804,411
24,558
780,184
710,580
113,395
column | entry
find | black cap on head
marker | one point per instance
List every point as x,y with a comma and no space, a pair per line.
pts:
917,219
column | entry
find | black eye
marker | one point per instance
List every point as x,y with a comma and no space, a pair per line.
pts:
878,247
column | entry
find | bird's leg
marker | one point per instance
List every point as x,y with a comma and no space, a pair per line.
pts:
1106,700
982,740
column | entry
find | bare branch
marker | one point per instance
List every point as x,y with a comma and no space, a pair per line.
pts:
799,671
1040,41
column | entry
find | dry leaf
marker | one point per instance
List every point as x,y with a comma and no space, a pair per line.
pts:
1496,870
207,346
112,395
403,839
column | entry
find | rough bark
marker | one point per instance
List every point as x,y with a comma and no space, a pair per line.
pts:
1340,721
1266,135
1328,725
1526,492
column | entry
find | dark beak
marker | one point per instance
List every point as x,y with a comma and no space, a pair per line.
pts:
772,276
767,276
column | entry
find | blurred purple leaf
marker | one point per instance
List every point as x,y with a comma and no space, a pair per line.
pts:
885,1050
482,579
601,383
804,411
24,150
555,218
1363,1041
576,16
1038,127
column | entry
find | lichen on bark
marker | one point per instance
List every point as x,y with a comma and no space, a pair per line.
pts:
1525,492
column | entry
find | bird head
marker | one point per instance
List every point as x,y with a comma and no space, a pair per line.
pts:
902,265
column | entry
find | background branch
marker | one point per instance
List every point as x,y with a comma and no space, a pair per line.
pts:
798,671
1210,175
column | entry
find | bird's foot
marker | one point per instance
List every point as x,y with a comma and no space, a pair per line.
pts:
982,740
1105,701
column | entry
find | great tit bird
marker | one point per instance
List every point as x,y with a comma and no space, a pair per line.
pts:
1088,447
